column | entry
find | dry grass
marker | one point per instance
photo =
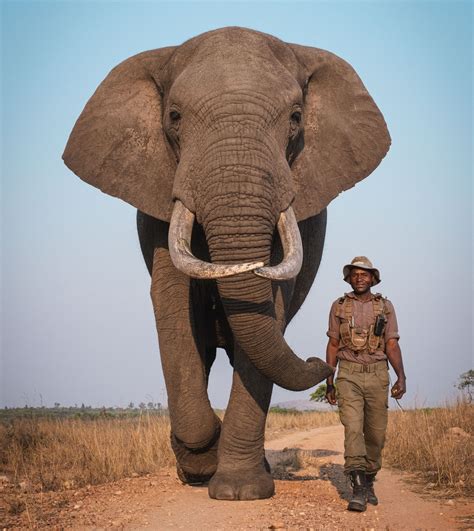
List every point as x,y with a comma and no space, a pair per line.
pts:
301,421
54,454
438,443
64,453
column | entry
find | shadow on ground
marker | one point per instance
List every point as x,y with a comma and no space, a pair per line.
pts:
295,464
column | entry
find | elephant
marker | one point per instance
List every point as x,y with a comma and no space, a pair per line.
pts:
230,146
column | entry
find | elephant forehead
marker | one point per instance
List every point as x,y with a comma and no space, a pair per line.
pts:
210,77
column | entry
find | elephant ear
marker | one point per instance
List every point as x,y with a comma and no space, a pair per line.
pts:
345,135
118,144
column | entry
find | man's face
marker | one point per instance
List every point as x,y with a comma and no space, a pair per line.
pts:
360,280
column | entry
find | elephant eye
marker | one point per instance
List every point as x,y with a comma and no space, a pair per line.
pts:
175,116
296,117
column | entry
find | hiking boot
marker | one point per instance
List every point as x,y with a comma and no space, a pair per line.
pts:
358,501
369,481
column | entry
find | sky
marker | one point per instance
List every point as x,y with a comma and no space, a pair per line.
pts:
77,322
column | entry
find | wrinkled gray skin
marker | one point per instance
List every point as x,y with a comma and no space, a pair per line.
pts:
238,126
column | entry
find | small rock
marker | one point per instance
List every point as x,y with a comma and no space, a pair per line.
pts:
430,485
118,492
450,502
3,479
78,505
23,486
153,483
134,475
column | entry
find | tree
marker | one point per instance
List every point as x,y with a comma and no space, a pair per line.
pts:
466,383
319,395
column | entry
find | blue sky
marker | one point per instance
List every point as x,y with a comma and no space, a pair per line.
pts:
77,322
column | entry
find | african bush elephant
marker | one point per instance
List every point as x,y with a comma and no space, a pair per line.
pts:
230,146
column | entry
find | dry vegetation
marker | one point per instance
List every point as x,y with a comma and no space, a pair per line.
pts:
54,454
42,454
284,420
438,443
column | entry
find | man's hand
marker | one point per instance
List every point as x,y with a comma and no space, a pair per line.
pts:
331,395
399,388
394,355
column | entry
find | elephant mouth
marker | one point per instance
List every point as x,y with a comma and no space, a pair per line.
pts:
179,242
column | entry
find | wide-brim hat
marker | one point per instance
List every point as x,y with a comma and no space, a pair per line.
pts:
361,262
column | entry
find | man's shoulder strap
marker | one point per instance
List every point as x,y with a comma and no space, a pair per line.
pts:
380,304
344,307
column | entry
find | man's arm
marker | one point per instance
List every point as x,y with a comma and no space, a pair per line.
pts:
331,359
394,355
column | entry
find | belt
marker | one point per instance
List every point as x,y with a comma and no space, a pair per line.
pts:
360,367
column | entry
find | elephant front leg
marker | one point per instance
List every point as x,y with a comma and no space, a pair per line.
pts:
243,473
195,428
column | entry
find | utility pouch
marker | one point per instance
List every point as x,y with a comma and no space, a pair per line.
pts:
353,338
359,338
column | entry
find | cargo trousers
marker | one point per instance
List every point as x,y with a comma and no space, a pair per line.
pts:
362,394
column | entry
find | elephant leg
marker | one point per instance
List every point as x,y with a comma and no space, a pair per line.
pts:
195,428
242,472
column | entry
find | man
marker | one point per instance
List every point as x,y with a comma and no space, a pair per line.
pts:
363,334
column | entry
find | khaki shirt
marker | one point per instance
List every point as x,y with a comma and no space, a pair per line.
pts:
363,317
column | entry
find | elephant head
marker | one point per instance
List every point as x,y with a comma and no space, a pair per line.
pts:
241,133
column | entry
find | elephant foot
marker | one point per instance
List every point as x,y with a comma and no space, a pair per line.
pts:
195,466
190,478
253,484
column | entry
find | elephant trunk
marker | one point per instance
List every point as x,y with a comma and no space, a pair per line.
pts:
239,234
250,309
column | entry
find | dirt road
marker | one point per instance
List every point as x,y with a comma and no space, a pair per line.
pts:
311,493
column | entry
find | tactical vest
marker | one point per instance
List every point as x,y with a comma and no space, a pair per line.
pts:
360,339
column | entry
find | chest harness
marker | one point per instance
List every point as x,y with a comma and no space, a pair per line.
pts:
359,339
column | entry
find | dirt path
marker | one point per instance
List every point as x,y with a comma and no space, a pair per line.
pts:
311,493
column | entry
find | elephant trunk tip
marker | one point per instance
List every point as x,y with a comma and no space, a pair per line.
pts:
308,374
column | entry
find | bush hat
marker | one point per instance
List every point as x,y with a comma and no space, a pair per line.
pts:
361,262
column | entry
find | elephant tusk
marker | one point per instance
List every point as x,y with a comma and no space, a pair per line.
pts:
179,243
290,237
